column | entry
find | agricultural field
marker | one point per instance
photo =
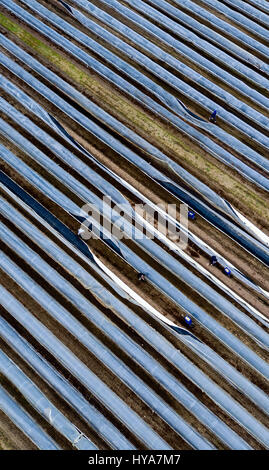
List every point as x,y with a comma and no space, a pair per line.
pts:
124,325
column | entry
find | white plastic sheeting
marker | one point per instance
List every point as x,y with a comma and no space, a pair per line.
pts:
209,34
244,7
241,19
198,285
234,32
189,307
160,54
99,113
63,153
25,422
202,140
160,257
179,46
113,363
155,339
91,108
57,38
64,389
102,352
252,245
77,368
131,136
148,245
261,4
140,78
106,187
161,73
40,402
171,291
34,208
235,407
142,357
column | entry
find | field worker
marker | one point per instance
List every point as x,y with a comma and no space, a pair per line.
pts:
141,277
213,117
191,215
188,320
213,260
227,271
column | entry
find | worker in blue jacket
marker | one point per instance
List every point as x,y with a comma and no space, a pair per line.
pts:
213,117
213,260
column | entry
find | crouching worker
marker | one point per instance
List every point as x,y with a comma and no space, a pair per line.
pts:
188,320
227,271
213,117
213,260
141,277
191,215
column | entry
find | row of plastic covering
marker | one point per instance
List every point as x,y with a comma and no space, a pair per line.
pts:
161,73
100,114
90,106
142,358
7,210
252,26
135,75
110,21
210,34
250,11
222,25
158,53
200,138
41,113
40,402
131,378
105,187
252,245
261,4
81,246
88,196
178,391
64,389
29,103
162,346
79,370
114,364
25,422
178,46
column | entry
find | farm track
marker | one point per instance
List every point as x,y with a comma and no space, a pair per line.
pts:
124,271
